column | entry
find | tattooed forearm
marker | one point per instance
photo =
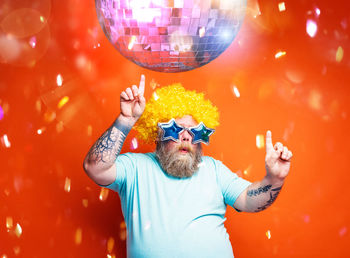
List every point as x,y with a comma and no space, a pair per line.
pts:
255,192
273,195
108,146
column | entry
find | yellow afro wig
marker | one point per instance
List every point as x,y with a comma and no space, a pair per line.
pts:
174,102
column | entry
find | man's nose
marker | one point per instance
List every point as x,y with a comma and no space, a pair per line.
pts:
185,136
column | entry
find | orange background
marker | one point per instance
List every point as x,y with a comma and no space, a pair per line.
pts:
50,208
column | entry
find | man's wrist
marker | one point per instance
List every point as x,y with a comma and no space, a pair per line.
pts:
124,124
274,180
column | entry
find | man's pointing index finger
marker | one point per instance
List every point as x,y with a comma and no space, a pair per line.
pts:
269,146
142,85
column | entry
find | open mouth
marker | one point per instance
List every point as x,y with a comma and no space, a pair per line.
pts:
183,150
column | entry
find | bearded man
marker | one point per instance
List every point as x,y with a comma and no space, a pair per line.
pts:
174,200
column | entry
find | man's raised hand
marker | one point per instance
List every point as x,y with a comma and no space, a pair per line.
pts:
132,101
277,159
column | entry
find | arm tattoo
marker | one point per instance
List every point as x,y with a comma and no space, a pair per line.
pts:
273,197
260,190
108,146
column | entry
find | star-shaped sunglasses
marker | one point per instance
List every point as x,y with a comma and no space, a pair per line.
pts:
171,131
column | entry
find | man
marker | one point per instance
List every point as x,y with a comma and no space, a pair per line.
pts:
174,200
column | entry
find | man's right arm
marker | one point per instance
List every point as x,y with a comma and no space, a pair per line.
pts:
99,163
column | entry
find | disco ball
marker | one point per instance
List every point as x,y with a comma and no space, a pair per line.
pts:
171,35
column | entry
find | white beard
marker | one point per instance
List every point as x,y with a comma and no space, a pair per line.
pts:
178,164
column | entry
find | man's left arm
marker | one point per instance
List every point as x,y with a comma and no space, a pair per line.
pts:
260,195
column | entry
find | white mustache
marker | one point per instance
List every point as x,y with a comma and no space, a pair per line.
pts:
186,147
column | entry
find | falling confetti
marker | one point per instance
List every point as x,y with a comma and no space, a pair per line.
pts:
41,130
18,230
268,234
59,80
281,7
247,170
260,141
89,130
63,102
38,105
235,91
67,185
280,54
134,144
155,96
9,223
5,141
103,194
317,11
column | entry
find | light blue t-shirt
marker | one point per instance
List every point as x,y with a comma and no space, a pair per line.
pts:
172,217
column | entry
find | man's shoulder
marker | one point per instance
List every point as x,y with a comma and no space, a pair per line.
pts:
147,157
209,159
212,162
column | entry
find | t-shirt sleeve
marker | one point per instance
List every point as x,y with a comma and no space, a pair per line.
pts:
231,184
126,167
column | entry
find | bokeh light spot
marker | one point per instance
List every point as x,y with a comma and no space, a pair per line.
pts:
110,244
122,226
311,28
343,231
59,127
17,250
339,55
85,203
22,23
78,236
315,98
